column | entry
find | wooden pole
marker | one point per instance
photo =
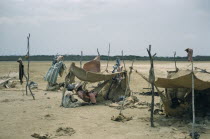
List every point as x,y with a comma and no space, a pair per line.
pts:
123,60
131,67
193,103
152,81
108,59
133,62
27,78
126,90
190,58
98,52
175,61
81,59
28,54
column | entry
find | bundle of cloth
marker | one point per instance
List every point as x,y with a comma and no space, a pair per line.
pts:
57,67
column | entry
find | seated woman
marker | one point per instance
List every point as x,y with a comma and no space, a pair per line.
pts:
84,95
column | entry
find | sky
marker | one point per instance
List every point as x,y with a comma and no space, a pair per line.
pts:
72,26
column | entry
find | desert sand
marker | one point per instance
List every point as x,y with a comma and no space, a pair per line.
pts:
21,116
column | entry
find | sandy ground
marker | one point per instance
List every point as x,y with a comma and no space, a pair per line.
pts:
20,116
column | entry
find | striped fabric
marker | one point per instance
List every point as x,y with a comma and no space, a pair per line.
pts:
52,73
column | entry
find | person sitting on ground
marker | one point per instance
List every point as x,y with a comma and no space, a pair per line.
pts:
87,96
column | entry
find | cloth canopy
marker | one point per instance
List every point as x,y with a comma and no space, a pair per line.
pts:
183,79
91,76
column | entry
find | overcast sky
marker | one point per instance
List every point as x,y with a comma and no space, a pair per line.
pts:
69,26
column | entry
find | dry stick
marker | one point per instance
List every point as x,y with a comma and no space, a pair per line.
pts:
175,61
131,67
151,78
29,87
22,89
193,103
123,60
108,59
81,59
27,78
98,52
28,63
133,62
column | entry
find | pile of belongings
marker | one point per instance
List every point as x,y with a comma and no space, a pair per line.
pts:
57,67
70,101
7,81
130,102
33,85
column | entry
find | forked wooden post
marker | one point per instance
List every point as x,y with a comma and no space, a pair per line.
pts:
152,81
27,78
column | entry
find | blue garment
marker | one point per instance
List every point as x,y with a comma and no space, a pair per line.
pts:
53,72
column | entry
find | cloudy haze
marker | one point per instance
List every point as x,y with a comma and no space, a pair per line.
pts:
69,26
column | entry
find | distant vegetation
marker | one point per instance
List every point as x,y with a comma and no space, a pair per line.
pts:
90,57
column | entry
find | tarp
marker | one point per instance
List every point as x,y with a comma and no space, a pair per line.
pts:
183,79
91,76
93,65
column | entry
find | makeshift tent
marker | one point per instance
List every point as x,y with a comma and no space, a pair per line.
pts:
113,88
176,99
183,79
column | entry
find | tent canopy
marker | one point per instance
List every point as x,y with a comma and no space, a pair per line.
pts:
183,79
91,76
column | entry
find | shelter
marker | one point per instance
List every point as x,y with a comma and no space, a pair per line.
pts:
107,88
177,97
